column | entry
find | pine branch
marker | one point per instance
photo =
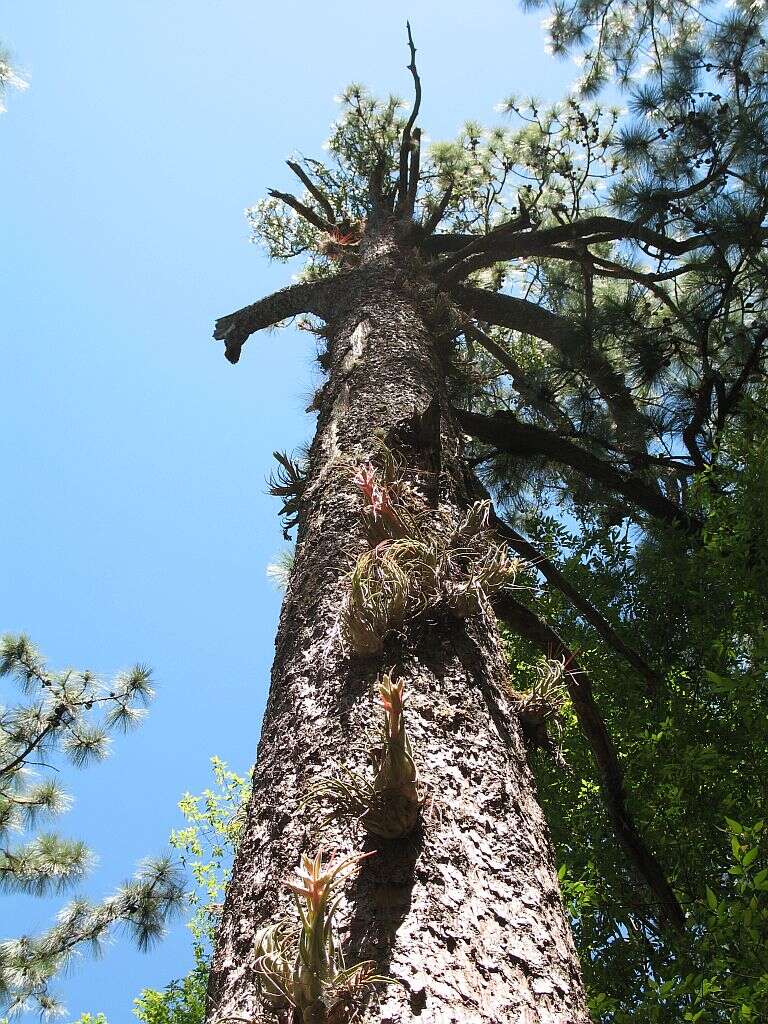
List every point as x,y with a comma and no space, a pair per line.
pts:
235,328
302,209
500,245
521,315
560,582
508,434
525,623
589,230
313,190
518,315
32,745
405,145
483,243
732,396
447,241
431,223
550,410
142,905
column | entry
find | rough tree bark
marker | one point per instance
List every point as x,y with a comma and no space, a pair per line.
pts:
465,914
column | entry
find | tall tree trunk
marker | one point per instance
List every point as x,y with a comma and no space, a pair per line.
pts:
465,913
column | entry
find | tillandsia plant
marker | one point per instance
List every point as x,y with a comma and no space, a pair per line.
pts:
392,507
412,566
390,805
477,566
288,483
377,601
540,707
301,970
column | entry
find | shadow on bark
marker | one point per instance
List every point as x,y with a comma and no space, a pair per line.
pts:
381,900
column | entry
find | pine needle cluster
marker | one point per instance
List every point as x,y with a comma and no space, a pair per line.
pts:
64,717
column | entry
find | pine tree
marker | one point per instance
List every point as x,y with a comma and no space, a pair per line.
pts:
584,297
67,716
394,566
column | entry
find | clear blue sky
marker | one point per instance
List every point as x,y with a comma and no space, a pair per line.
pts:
135,524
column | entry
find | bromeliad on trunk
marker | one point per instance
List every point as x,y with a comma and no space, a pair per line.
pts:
388,806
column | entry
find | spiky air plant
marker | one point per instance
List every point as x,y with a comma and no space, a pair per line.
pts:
288,482
540,708
476,574
390,805
341,241
301,969
476,567
377,600
391,506
414,568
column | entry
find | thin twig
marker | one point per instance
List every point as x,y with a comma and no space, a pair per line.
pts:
405,145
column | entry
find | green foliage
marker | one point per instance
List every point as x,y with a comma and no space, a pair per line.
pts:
65,716
205,847
365,137
694,753
207,844
181,1002
643,39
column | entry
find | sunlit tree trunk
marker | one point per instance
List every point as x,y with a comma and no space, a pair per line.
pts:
464,913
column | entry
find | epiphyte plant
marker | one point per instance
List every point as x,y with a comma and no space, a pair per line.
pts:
288,483
301,968
417,560
390,805
540,707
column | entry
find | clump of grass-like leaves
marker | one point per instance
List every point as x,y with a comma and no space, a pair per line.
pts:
417,561
301,968
389,805
476,567
288,482
540,708
378,600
